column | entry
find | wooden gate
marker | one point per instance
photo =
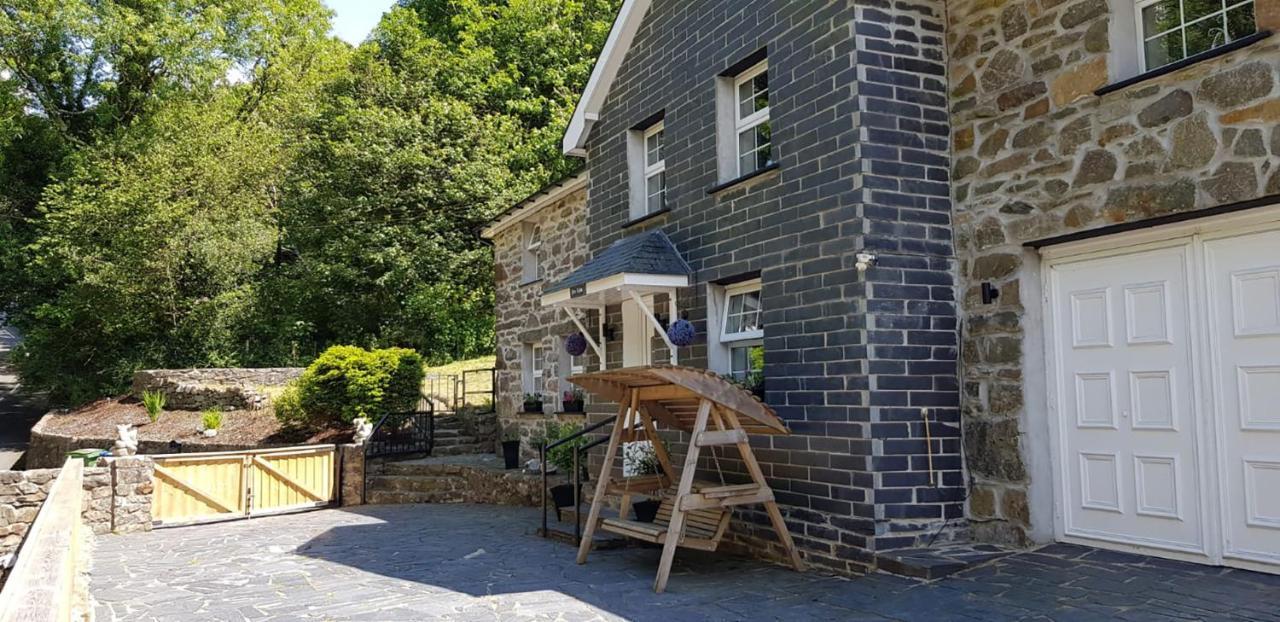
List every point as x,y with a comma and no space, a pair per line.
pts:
193,488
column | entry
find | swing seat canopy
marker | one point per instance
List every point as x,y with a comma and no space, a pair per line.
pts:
673,393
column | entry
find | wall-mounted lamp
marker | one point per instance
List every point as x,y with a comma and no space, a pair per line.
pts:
989,293
865,260
608,332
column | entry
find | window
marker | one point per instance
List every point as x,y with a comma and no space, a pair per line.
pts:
742,313
647,164
736,328
751,120
745,361
528,374
1171,30
531,253
655,170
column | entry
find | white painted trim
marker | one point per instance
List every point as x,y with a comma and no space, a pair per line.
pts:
737,289
621,36
751,121
657,326
1108,245
532,206
618,285
598,348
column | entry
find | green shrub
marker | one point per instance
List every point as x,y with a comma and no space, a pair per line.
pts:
154,402
562,456
347,382
288,407
211,418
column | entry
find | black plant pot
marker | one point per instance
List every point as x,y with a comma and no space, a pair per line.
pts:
533,407
574,407
562,497
646,511
511,454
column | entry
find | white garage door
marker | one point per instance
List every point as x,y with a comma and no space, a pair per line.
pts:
1164,360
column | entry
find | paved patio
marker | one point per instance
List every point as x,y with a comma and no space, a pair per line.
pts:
460,562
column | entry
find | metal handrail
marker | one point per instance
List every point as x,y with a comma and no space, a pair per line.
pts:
578,452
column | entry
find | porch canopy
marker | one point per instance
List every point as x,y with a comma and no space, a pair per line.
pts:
627,271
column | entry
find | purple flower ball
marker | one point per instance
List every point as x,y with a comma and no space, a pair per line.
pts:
575,344
681,332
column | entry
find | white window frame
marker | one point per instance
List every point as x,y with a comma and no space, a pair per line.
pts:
528,383
1143,36
657,168
745,344
530,252
750,122
730,291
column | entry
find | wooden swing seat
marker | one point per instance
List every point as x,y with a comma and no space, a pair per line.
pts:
703,529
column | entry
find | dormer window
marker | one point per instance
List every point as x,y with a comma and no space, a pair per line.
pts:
1171,30
531,253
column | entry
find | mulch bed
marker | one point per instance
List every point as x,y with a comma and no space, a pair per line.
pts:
239,427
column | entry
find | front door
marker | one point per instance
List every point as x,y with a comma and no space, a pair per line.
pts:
1165,372
637,334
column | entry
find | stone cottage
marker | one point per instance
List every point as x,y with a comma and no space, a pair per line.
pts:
1009,270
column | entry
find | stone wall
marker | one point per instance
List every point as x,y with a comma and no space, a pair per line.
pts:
197,389
459,479
521,319
21,494
47,450
1037,154
131,494
351,479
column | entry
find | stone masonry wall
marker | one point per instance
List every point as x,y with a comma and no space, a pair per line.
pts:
197,389
521,318
1037,154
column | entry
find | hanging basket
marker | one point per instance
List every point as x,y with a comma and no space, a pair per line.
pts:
575,344
681,333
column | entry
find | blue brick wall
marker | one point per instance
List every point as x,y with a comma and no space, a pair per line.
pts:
858,105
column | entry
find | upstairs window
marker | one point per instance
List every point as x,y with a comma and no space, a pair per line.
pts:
655,170
742,313
531,253
647,167
751,120
1171,30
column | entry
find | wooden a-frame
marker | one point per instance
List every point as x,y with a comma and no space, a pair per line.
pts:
713,412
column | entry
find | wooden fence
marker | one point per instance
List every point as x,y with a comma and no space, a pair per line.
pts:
43,585
193,488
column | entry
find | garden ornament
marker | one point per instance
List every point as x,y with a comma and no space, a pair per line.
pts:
364,429
127,442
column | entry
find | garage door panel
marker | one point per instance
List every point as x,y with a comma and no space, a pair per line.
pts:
1124,345
1243,273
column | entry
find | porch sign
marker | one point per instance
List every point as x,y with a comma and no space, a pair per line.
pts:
578,291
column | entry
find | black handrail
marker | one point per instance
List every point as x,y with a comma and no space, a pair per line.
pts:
578,452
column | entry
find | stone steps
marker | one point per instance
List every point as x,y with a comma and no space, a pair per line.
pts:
416,483
383,497
461,449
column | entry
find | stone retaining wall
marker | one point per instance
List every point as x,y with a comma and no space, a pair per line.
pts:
47,450
197,389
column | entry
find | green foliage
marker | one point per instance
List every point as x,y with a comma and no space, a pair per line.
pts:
562,456
346,382
154,402
211,419
154,213
288,407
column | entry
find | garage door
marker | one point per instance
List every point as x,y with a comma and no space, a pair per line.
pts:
1164,356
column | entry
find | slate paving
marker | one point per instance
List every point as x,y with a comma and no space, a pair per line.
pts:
461,562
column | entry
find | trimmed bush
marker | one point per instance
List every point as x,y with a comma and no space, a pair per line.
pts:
347,382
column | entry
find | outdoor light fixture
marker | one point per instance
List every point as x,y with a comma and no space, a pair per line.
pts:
989,293
865,260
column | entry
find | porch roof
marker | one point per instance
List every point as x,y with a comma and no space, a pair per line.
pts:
646,263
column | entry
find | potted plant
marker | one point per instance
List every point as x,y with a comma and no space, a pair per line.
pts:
511,448
532,403
574,400
562,458
154,402
639,458
211,421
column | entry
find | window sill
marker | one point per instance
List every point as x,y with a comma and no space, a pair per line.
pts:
744,179
646,218
528,283
1186,62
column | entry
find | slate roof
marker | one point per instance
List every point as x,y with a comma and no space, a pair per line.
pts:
650,252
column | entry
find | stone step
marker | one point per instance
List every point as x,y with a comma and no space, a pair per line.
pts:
940,561
383,497
417,483
449,441
462,449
